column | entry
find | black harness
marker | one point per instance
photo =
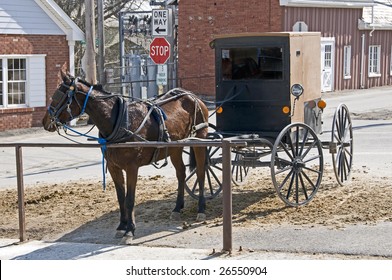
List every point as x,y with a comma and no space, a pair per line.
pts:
121,133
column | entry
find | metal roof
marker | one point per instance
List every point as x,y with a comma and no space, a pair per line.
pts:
328,4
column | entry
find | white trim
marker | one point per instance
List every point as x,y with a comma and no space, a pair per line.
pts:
347,62
71,50
362,25
371,73
327,4
330,41
63,21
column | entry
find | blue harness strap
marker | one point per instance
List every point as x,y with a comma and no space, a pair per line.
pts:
100,141
85,101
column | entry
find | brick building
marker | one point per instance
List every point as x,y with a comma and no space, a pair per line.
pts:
356,37
36,40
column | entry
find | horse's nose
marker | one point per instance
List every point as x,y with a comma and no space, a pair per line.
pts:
48,124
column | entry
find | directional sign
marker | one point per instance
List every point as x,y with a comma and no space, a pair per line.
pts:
159,50
160,22
162,75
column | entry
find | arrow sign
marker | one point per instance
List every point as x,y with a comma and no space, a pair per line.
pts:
159,30
160,22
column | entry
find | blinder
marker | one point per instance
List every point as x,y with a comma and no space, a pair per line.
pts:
63,100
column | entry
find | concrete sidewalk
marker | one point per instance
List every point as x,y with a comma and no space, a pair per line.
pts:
287,242
11,249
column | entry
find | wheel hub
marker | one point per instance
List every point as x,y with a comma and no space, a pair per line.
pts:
298,164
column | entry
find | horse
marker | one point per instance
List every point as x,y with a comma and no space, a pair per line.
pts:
173,116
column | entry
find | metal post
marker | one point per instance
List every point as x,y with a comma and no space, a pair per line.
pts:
122,51
227,196
101,46
91,71
21,198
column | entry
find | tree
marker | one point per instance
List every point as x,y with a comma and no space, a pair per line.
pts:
76,11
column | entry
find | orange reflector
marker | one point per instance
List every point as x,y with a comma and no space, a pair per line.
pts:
321,104
219,110
286,109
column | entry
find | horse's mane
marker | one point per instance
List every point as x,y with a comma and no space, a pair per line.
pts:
98,87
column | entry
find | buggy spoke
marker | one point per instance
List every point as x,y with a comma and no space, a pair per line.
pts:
290,186
312,170
290,167
287,151
190,175
312,158
314,143
285,180
209,182
309,181
303,186
214,175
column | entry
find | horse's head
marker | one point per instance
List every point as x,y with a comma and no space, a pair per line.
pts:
65,106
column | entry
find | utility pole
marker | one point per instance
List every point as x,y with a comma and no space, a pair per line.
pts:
91,72
101,44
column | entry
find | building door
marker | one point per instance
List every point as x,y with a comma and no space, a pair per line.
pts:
327,63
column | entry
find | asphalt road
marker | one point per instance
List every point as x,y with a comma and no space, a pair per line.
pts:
372,151
372,145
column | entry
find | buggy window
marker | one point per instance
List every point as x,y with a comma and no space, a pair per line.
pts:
263,63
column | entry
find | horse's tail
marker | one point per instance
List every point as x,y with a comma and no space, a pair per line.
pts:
192,159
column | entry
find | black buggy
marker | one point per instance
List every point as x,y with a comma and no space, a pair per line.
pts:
268,94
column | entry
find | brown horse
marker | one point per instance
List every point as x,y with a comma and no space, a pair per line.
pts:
173,116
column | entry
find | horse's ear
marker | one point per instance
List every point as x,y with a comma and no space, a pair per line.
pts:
63,75
66,77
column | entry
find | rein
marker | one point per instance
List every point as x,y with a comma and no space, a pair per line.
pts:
120,132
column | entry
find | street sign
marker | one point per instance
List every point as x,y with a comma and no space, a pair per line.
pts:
159,50
160,22
162,75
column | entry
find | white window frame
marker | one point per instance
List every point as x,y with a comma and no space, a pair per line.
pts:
5,82
374,61
347,62
35,83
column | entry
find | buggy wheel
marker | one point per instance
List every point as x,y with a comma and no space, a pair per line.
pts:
213,171
297,164
239,170
341,146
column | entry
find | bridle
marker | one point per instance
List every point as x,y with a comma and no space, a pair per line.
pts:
64,101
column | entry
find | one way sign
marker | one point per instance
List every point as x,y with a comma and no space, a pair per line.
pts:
160,22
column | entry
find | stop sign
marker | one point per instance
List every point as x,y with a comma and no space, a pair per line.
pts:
159,50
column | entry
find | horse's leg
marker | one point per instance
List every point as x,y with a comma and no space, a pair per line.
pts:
200,157
178,163
132,172
118,179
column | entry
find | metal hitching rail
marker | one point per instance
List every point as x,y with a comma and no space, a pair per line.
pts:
225,144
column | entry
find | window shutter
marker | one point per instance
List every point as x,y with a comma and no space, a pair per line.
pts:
36,95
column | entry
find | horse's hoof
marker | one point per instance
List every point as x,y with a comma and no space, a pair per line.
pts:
119,233
126,240
175,216
201,217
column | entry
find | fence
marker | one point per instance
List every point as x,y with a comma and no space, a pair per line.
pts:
225,144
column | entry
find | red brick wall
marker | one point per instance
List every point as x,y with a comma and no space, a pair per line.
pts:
57,57
200,20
